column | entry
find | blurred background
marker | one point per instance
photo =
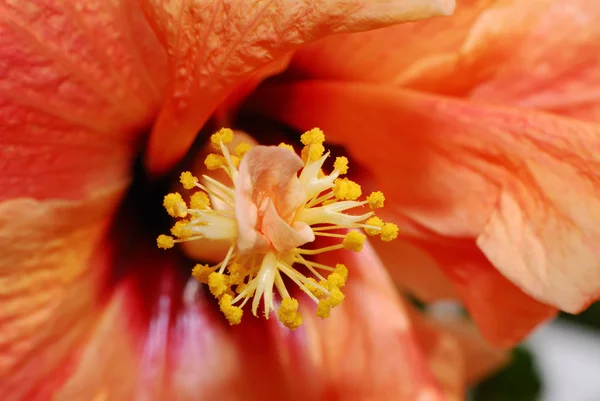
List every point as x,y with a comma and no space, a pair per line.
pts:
559,362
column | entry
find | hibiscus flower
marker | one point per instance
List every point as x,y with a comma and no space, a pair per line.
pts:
91,309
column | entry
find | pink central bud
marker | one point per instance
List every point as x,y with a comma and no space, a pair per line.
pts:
268,194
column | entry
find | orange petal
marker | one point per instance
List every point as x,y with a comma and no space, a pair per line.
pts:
49,284
444,355
77,88
435,268
502,311
391,54
525,182
538,54
413,270
367,349
541,54
457,354
227,111
106,365
479,357
214,46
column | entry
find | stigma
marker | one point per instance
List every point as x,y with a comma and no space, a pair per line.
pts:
272,208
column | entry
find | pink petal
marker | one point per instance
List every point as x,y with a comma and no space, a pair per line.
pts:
524,182
214,46
283,236
268,194
367,349
272,171
78,84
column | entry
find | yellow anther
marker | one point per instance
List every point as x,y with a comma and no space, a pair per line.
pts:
241,149
200,201
314,136
188,180
235,160
304,154
181,229
224,136
315,152
237,273
344,189
342,270
286,146
313,141
175,205
336,280
376,222
201,273
376,200
312,152
324,308
354,241
340,188
335,297
218,284
165,241
232,313
341,164
214,161
354,190
389,232
288,313
317,292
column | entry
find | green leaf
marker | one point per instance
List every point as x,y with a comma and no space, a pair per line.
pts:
519,381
